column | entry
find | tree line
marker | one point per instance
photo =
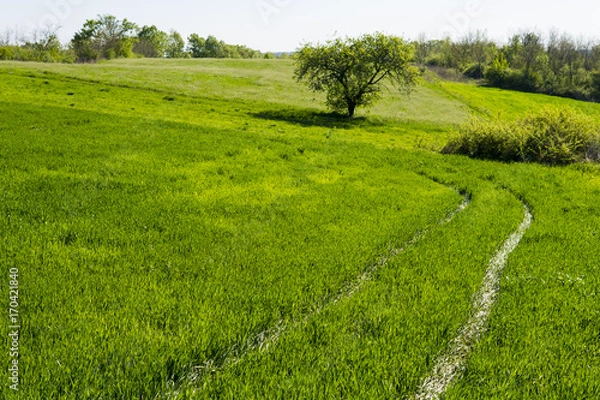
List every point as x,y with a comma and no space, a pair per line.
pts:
107,37
556,64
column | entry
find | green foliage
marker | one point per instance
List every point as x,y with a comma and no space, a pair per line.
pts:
151,42
106,38
175,46
196,45
595,86
487,139
474,71
516,66
211,47
352,71
513,80
558,65
560,136
44,48
553,136
7,53
496,74
544,327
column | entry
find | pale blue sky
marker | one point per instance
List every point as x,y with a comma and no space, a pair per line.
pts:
281,25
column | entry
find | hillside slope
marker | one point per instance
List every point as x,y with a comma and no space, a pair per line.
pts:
203,229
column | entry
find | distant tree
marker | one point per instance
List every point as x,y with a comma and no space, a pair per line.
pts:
41,45
555,62
84,43
439,53
595,57
595,86
528,61
497,73
530,48
423,49
213,48
352,71
175,45
585,47
6,37
210,47
565,58
151,42
196,45
44,44
461,53
104,37
479,52
244,52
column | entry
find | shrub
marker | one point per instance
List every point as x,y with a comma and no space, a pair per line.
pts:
6,53
497,72
474,71
559,136
485,139
593,150
553,136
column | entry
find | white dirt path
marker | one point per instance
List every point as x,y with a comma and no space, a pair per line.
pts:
263,340
451,363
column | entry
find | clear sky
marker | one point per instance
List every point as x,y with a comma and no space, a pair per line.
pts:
281,25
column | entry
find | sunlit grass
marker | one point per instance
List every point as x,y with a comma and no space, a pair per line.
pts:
162,213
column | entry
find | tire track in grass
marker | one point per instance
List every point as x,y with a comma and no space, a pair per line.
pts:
451,363
263,340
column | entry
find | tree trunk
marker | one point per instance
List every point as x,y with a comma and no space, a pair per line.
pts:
351,108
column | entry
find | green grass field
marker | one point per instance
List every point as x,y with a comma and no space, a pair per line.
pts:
203,229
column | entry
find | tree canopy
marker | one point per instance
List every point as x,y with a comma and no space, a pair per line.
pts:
211,47
556,63
107,37
175,45
352,71
151,42
104,37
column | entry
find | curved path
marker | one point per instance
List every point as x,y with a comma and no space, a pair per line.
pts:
264,339
451,363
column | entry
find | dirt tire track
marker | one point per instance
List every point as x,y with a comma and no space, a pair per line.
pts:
263,340
452,363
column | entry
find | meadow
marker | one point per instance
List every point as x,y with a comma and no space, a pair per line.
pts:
204,229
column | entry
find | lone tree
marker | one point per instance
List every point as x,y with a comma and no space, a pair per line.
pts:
352,70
